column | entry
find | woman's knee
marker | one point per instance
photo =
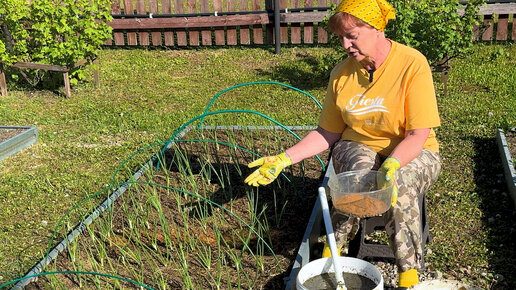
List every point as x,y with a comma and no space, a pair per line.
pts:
349,155
419,174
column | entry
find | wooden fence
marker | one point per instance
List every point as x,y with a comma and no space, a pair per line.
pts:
498,22
245,22
209,22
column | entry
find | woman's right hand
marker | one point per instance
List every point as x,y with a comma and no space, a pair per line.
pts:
270,168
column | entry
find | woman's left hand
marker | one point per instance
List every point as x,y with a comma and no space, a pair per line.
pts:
387,176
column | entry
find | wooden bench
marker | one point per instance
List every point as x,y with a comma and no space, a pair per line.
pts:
49,67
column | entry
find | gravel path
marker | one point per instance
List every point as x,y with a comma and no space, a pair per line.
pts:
390,274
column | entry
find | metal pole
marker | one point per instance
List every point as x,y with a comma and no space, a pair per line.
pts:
277,36
331,239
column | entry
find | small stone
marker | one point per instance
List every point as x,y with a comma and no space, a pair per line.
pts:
437,274
44,223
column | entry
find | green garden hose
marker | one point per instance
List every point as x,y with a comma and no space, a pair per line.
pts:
76,272
257,83
231,111
166,146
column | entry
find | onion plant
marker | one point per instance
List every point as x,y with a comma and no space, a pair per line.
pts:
190,222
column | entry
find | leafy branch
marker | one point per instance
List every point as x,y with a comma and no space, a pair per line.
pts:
434,27
58,32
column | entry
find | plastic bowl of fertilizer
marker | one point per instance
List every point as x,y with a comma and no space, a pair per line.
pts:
358,275
358,193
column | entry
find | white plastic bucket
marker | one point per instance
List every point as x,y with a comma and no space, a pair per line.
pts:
348,265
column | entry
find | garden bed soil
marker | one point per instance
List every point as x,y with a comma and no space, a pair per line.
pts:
284,235
510,137
6,134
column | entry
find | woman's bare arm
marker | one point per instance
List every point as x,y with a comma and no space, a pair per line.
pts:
411,146
314,143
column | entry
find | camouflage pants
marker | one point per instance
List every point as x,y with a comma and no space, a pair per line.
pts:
402,222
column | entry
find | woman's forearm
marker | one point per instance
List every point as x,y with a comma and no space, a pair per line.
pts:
313,143
411,146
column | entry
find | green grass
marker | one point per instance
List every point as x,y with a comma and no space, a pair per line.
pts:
145,95
470,211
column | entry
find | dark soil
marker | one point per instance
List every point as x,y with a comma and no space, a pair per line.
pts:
9,133
284,235
352,282
510,136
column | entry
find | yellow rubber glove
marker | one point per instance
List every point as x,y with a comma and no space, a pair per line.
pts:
390,166
270,168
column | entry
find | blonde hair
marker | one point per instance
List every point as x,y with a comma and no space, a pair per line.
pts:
336,21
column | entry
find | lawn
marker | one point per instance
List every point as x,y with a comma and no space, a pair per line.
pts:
145,95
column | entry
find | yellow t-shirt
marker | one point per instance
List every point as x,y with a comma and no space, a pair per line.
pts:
401,97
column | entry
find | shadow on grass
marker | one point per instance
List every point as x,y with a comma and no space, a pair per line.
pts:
35,81
498,210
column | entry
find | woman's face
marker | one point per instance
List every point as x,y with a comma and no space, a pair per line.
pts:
359,41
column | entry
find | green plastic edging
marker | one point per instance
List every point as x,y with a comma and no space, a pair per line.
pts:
508,168
14,144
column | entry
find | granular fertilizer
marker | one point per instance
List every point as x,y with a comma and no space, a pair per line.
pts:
360,205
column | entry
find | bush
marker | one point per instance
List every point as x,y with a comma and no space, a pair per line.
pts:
59,32
434,27
12,15
431,26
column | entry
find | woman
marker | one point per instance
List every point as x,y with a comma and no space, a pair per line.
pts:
378,113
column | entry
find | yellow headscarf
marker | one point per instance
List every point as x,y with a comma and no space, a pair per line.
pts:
374,12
